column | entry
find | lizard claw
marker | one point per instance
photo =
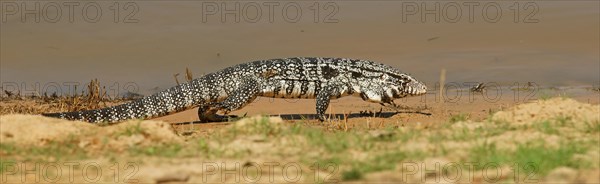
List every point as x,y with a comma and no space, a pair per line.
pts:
321,117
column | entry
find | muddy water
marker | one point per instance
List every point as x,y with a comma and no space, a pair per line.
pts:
552,43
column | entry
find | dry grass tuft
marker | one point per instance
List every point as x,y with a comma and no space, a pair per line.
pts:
94,98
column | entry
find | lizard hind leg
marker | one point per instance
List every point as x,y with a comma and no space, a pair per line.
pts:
207,113
242,96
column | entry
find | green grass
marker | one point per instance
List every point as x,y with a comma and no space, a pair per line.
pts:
543,159
164,150
546,127
498,128
592,127
261,126
458,118
332,142
203,146
550,126
352,174
355,152
133,130
461,134
58,150
437,138
408,135
563,120
55,150
386,161
5,163
8,149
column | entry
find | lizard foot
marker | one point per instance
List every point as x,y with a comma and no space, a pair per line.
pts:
217,118
207,114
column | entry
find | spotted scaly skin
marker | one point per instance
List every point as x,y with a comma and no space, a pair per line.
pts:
232,88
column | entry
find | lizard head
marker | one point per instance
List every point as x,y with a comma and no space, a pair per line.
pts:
390,86
402,85
415,87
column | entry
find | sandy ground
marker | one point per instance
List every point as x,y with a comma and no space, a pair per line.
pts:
428,109
144,148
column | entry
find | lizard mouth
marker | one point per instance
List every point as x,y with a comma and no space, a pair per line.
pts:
416,89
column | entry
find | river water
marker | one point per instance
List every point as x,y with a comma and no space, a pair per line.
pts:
140,45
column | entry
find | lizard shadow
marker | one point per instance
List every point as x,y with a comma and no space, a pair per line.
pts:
334,116
330,116
341,116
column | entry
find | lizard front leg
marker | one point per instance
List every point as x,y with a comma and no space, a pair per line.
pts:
323,98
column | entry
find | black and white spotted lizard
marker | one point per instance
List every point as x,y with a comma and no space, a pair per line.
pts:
232,88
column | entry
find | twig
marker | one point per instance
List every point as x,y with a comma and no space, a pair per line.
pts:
346,121
175,76
442,83
188,75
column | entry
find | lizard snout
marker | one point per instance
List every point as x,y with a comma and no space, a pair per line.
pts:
416,88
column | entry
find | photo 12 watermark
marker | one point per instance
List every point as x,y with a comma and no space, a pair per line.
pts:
267,172
69,11
68,171
451,92
470,92
269,11
490,92
457,172
70,88
469,11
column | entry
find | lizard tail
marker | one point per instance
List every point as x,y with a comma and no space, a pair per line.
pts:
172,100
